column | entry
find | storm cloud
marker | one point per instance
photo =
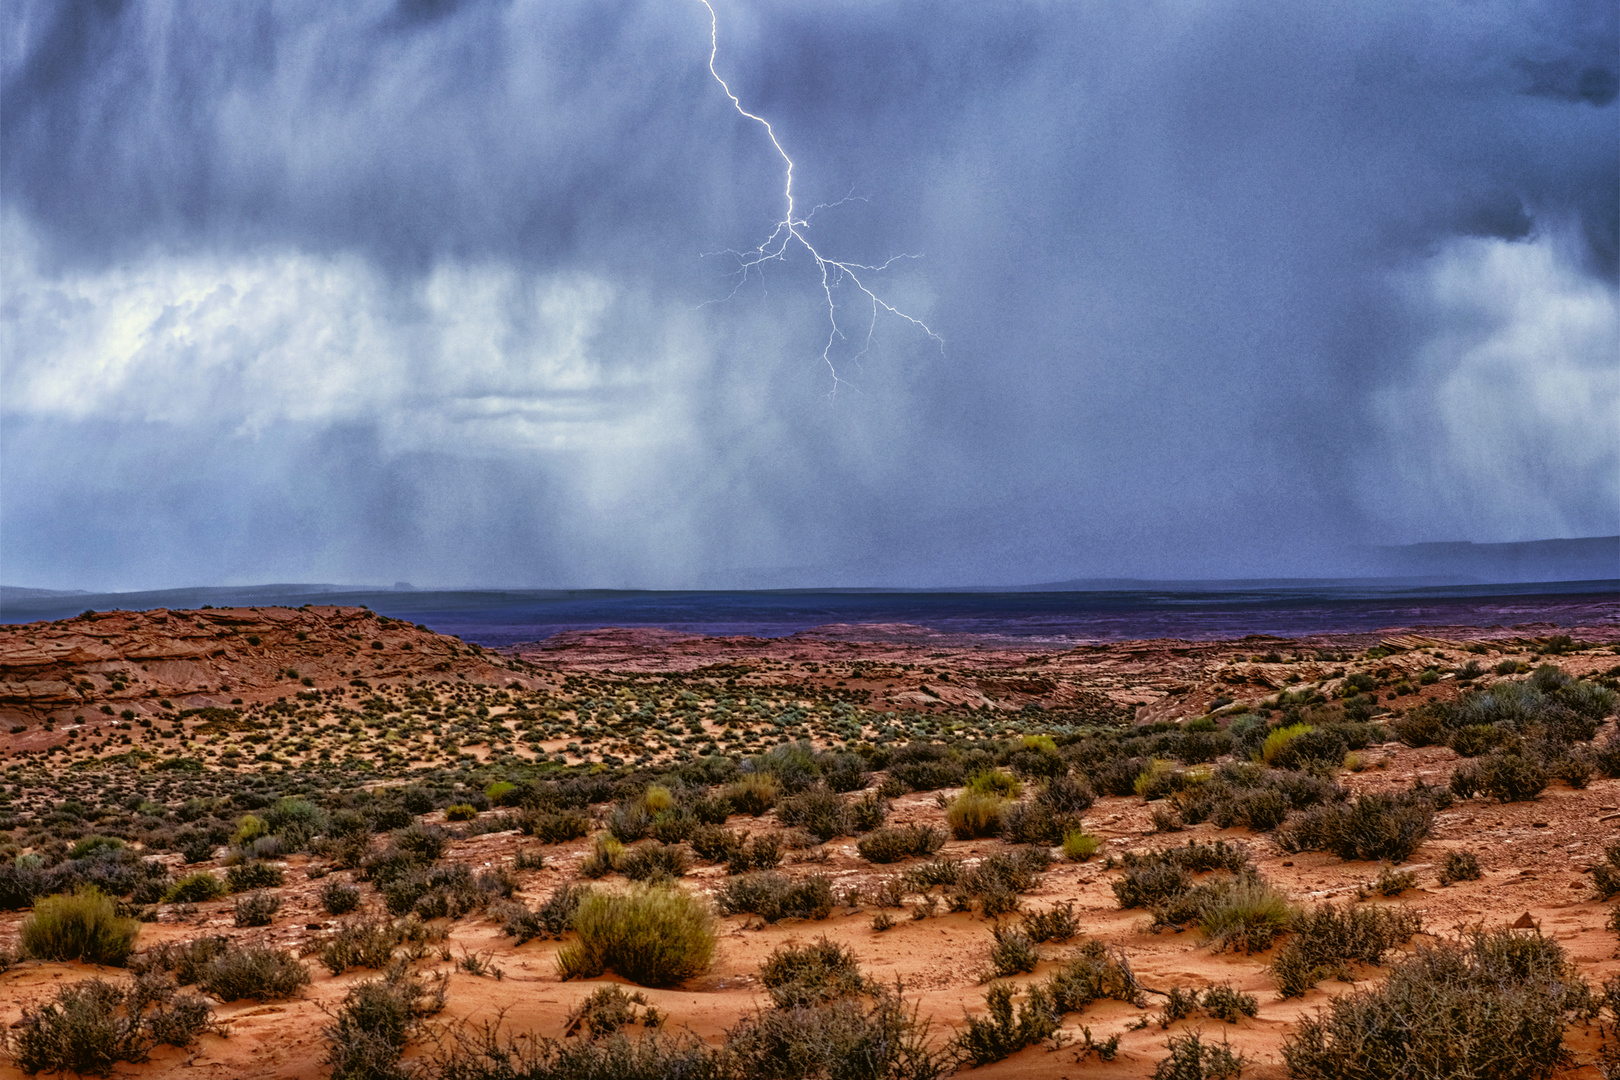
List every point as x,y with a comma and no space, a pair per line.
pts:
437,291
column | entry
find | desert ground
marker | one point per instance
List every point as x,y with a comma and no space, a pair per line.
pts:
137,745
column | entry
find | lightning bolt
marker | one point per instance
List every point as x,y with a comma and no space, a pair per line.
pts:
790,231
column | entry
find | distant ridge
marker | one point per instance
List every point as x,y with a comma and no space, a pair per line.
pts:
1578,559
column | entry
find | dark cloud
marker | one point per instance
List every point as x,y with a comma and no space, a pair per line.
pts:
1212,281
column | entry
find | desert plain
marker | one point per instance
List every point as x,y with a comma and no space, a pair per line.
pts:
284,752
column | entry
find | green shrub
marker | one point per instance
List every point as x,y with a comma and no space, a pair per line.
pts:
652,860
774,896
1330,938
92,1025
249,829
1158,780
673,826
1278,739
195,888
550,920
808,975
754,793
892,845
1495,1007
1012,952
256,908
604,857
245,877
460,812
376,1021
93,845
83,925
295,822
819,810
1375,826
653,935
1000,1032
995,782
252,972
339,897
1246,915
365,943
1193,1059
1459,866
974,814
1079,845
554,828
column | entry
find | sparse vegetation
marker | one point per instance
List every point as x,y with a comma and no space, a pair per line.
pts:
134,795
774,896
376,1021
93,1025
1494,1006
1329,938
1373,826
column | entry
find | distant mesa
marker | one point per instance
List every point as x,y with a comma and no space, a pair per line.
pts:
1587,558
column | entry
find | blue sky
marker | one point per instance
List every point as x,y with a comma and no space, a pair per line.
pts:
438,291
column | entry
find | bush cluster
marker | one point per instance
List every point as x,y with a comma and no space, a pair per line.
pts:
1329,938
653,935
376,1021
1372,826
1094,973
84,925
773,896
227,971
93,1025
1495,1006
551,919
895,844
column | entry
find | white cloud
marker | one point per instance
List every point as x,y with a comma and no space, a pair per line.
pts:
472,358
1507,424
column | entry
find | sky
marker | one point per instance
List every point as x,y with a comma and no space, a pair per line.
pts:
446,291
